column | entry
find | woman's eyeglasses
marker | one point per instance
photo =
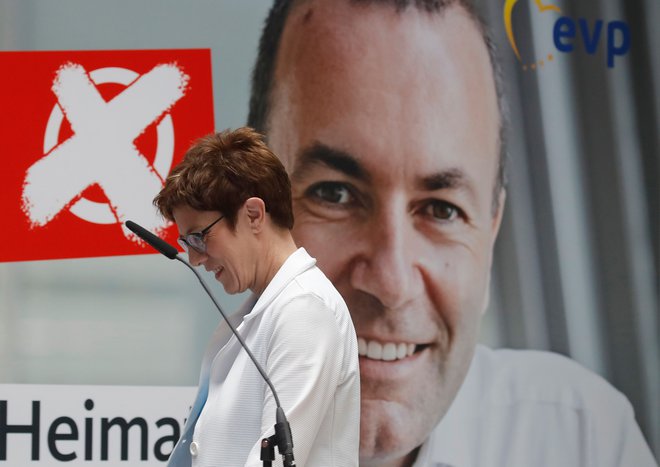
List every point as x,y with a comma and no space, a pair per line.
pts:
195,240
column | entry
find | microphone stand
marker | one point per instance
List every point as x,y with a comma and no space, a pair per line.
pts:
282,437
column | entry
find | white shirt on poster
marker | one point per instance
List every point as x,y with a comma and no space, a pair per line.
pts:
529,408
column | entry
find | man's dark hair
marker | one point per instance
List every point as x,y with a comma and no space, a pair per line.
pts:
264,69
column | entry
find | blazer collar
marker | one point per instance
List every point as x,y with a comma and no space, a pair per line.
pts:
296,264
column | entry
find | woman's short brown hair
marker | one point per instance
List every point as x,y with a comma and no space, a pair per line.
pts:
221,171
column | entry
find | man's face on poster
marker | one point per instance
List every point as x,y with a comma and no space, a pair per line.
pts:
388,125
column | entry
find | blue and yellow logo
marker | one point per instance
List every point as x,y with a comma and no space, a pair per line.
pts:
568,33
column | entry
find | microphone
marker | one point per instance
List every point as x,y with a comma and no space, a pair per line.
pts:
158,243
283,437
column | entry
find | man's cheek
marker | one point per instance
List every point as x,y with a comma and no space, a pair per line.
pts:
322,242
449,286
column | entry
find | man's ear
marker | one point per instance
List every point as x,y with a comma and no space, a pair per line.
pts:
497,218
256,213
495,228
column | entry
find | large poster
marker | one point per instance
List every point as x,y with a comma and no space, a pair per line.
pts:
471,177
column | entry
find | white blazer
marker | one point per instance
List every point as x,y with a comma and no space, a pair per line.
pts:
301,333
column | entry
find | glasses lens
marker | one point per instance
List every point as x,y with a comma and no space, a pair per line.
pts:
182,243
196,242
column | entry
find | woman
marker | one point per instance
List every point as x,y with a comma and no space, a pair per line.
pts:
231,201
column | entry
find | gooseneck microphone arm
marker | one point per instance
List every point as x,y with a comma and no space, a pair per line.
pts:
283,436
231,326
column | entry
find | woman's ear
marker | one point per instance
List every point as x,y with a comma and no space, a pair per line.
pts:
256,212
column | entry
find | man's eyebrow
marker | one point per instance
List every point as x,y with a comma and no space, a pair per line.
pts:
451,178
333,158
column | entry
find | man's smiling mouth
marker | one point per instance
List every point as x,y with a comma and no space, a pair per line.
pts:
386,351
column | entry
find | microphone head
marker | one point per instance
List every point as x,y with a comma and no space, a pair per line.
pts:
156,242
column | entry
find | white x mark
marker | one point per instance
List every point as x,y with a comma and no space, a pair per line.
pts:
102,148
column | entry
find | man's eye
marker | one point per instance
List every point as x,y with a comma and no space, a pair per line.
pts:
441,210
331,192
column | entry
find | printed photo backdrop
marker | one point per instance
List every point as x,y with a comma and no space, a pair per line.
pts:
89,318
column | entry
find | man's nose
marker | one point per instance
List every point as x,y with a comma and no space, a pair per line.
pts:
386,265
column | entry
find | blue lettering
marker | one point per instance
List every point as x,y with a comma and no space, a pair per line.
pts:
590,41
617,49
564,28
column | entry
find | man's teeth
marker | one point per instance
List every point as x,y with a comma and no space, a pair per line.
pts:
387,352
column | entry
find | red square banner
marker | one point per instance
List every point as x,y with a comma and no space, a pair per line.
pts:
86,141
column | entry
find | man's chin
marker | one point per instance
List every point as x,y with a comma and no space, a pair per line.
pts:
388,432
